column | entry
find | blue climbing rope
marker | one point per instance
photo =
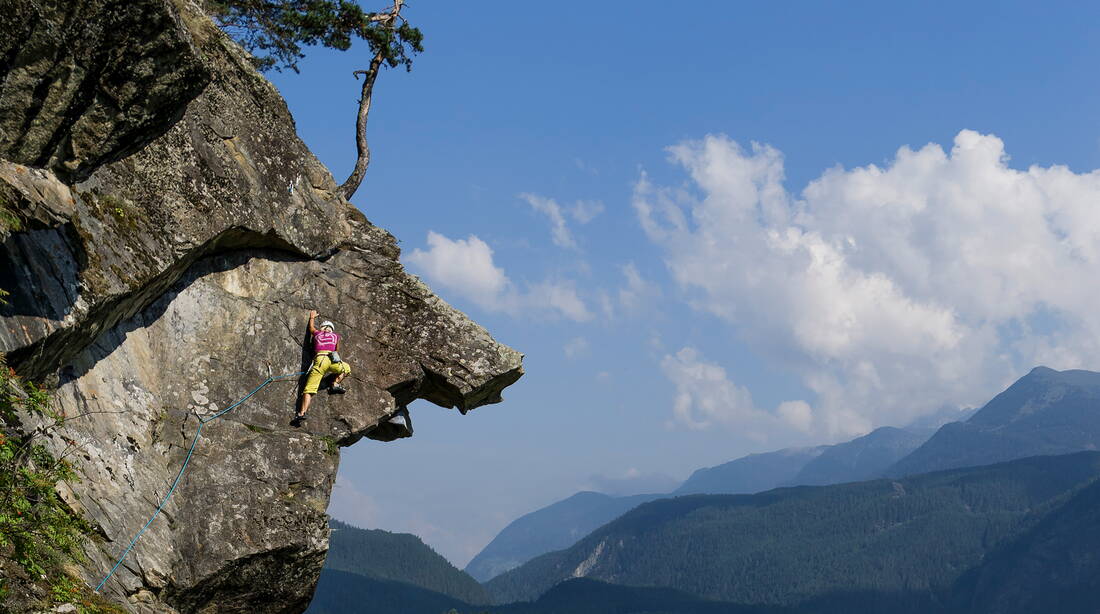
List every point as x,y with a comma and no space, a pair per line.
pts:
194,442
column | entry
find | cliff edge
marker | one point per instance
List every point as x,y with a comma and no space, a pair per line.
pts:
164,232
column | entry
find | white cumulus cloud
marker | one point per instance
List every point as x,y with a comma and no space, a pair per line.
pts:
893,290
462,265
466,267
706,397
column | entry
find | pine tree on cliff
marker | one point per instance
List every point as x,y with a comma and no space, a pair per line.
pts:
275,30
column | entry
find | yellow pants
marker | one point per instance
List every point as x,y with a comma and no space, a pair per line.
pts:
322,366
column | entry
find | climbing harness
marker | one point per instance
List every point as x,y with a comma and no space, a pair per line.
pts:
194,442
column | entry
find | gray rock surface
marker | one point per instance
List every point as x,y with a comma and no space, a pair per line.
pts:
169,234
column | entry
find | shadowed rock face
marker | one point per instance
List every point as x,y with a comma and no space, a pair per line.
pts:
164,268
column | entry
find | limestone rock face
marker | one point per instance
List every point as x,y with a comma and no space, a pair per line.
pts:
164,234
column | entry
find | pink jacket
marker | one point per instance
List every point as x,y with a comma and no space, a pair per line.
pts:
324,341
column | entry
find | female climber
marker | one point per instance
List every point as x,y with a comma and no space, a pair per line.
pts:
326,359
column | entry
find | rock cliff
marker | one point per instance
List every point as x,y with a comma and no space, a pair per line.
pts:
164,232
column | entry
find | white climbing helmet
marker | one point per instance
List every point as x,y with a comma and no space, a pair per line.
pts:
328,324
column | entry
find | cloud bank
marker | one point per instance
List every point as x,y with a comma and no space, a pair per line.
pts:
892,291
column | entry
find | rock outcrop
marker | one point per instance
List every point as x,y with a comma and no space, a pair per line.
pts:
164,233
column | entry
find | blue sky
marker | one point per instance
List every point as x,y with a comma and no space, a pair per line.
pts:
717,228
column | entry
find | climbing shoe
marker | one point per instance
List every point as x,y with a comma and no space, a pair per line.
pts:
298,420
337,389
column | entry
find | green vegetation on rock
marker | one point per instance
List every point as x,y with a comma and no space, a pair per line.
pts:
39,534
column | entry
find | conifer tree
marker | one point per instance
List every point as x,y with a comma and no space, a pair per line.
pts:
274,31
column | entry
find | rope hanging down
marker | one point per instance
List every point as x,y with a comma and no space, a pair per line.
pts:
194,442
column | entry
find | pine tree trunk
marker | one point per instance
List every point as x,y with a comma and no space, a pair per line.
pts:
348,188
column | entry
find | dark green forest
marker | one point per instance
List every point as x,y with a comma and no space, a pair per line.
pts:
341,592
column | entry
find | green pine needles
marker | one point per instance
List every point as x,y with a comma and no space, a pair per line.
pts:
275,31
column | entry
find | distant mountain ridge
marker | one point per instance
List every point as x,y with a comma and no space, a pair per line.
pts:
1047,565
561,524
388,561
879,546
749,474
1044,412
862,458
551,528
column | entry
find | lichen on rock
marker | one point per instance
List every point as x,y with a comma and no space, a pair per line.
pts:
171,233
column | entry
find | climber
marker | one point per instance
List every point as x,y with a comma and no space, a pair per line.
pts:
326,345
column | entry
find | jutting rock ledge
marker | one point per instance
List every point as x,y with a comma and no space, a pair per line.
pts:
164,232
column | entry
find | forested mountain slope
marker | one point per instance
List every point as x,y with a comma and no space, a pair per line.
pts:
398,557
561,524
584,596
551,528
1053,567
881,546
341,592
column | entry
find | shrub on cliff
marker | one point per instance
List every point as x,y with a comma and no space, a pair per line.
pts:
39,534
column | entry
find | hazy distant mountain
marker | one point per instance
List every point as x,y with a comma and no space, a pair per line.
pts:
387,558
1044,412
749,474
940,417
634,484
560,525
878,546
862,458
547,529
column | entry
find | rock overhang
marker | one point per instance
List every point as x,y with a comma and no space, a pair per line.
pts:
181,239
